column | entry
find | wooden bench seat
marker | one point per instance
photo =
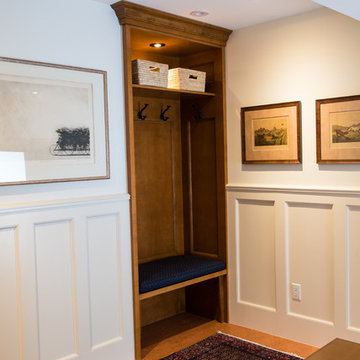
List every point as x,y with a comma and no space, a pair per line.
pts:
168,274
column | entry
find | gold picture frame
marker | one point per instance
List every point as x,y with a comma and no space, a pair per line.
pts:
338,130
271,133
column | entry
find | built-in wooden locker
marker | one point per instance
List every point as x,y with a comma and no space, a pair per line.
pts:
176,164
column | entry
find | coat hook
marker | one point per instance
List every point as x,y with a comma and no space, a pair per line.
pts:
162,114
140,112
199,115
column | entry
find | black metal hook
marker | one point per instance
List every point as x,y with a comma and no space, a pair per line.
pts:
199,115
140,112
162,114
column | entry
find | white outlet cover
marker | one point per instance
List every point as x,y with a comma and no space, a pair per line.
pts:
296,291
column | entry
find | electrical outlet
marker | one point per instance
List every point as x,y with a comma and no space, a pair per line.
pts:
296,291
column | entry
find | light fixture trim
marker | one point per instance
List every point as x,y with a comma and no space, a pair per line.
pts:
157,45
199,13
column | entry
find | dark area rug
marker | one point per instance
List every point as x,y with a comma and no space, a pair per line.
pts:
225,347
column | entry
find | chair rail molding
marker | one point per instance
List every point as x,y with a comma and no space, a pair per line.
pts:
294,190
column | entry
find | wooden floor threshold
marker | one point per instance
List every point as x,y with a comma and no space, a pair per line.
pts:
170,335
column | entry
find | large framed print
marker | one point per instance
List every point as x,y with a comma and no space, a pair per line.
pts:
53,123
271,133
338,130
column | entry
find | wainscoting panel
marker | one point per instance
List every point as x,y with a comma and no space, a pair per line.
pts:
10,305
66,279
256,240
104,277
310,238
353,255
56,284
279,237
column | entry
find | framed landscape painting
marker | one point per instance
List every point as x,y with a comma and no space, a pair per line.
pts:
271,133
53,123
338,130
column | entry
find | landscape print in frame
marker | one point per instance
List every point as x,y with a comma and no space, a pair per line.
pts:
53,123
271,133
338,130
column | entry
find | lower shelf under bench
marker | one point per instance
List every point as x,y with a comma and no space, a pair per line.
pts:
161,339
184,272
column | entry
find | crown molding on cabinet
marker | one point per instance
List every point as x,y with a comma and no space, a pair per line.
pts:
156,20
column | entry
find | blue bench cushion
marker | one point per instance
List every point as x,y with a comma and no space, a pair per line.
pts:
168,271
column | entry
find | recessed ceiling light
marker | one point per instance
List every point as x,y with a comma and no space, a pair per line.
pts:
199,13
157,45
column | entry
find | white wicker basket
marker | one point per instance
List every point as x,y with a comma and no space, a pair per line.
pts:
187,79
146,72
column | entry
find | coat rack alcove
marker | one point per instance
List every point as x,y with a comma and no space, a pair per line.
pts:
176,150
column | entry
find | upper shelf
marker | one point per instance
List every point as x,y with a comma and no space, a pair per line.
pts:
156,88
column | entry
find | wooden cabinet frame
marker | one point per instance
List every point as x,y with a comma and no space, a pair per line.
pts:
195,40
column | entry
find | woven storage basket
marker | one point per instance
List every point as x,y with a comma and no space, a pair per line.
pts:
146,72
187,79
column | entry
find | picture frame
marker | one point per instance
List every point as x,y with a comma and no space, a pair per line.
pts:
53,123
338,130
271,133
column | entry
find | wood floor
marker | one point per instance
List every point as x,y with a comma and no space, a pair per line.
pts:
170,335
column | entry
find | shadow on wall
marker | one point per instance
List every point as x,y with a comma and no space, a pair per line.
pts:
272,167
339,167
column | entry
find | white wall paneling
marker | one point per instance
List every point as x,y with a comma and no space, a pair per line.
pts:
353,268
315,208
55,271
103,260
65,281
65,268
282,236
10,305
310,237
255,228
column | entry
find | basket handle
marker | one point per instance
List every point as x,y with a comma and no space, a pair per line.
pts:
154,68
193,77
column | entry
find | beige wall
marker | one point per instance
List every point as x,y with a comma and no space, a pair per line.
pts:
65,264
312,56
294,223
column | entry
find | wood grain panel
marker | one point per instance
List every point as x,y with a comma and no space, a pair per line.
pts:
203,180
212,62
202,61
174,46
162,306
195,295
159,219
10,302
131,177
158,180
142,16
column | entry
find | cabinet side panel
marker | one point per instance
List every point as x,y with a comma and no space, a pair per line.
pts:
203,186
